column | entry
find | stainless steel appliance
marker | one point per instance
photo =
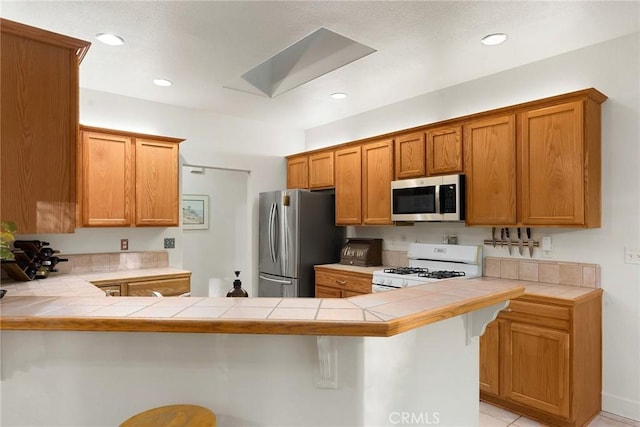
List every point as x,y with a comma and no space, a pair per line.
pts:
297,231
431,263
436,198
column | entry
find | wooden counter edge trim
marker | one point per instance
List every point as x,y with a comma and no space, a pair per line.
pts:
259,326
451,310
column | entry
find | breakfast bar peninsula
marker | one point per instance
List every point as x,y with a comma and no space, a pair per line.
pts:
401,357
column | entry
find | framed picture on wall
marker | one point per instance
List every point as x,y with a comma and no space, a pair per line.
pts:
195,211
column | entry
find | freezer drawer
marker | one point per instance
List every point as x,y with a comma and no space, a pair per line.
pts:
277,286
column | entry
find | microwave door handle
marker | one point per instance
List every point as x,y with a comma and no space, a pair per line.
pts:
437,194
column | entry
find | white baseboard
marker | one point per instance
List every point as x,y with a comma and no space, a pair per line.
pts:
622,406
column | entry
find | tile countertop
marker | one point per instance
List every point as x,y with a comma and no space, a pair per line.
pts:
379,314
81,285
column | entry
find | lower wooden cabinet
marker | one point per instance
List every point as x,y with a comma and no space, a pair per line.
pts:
173,285
544,359
332,283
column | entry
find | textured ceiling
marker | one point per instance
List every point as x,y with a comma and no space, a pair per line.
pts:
420,46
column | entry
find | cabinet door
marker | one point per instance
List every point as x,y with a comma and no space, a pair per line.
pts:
156,183
38,136
298,172
321,170
444,150
490,359
553,162
490,166
327,292
349,186
536,367
409,156
377,174
166,287
106,180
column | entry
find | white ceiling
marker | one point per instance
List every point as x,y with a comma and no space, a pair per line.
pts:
421,46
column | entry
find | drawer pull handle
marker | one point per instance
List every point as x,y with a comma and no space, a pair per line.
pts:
507,310
341,282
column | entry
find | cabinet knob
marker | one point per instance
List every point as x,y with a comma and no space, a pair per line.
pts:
112,292
341,282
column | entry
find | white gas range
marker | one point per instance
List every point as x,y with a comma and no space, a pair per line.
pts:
431,263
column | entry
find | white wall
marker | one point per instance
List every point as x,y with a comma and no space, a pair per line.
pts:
222,248
213,140
610,67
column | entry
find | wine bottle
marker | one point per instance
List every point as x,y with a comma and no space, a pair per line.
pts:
31,245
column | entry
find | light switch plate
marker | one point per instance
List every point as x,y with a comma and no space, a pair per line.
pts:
170,243
124,244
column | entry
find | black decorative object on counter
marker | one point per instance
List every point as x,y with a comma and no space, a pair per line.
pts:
237,290
33,259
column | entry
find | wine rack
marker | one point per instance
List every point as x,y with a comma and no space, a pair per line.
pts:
33,259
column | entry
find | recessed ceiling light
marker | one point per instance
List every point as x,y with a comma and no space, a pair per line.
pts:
110,39
493,39
162,82
339,95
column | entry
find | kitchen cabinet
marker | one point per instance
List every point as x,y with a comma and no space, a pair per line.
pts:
321,170
542,358
39,114
166,285
535,164
490,168
377,174
298,172
348,180
444,150
128,179
410,155
332,283
560,182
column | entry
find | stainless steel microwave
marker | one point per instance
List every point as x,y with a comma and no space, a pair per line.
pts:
436,198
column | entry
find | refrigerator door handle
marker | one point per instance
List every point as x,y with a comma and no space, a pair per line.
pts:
285,245
272,233
284,282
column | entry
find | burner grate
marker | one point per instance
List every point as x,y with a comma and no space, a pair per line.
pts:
407,270
442,274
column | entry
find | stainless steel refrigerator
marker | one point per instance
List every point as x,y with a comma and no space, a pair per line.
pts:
297,231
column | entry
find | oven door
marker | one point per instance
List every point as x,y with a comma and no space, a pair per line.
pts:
416,199
382,288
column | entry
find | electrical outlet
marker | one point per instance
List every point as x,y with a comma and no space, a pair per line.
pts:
170,243
631,256
124,244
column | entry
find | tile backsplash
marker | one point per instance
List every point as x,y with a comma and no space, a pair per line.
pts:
394,258
90,263
556,272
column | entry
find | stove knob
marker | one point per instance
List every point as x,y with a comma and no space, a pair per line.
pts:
405,283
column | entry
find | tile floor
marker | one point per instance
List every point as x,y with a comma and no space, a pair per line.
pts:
492,416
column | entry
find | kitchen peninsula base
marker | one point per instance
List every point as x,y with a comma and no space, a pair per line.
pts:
428,375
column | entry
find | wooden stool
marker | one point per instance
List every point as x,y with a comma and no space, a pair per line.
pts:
173,416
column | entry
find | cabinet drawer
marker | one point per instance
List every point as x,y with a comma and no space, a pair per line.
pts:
167,287
538,314
345,281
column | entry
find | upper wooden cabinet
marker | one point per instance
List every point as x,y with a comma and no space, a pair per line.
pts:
128,179
410,156
157,192
444,150
535,164
490,168
107,176
348,180
39,115
560,182
377,174
321,170
298,172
